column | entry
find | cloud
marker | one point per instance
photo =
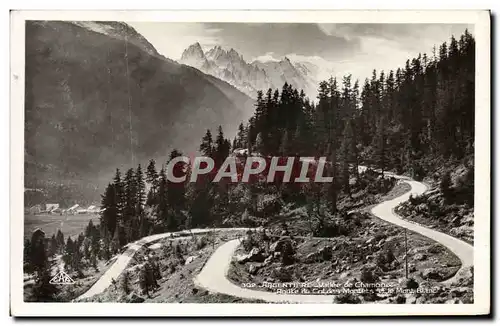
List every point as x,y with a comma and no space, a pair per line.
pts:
171,39
326,28
348,48
254,40
269,56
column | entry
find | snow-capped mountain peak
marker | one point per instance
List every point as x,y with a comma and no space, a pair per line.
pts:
230,66
194,56
215,53
194,50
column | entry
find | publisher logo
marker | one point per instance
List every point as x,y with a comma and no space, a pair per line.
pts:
61,278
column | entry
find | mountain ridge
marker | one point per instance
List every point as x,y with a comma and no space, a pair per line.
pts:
249,77
94,102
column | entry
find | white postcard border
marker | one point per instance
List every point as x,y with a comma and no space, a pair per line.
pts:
482,253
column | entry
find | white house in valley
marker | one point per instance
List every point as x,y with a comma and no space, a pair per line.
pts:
73,209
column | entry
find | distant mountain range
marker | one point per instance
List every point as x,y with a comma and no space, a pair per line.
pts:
249,77
99,96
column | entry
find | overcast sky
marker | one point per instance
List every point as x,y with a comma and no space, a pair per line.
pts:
350,48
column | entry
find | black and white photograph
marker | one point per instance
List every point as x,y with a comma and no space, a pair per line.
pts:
229,162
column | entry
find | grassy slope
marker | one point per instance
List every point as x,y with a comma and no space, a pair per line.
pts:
176,284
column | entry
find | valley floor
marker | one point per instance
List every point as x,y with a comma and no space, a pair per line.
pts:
69,224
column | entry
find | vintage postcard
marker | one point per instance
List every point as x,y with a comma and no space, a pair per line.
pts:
250,163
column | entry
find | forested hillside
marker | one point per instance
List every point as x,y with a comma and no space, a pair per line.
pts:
99,96
407,119
418,120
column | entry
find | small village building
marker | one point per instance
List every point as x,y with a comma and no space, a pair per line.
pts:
49,208
72,209
94,209
240,152
36,209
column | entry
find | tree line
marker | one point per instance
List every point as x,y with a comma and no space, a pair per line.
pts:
409,120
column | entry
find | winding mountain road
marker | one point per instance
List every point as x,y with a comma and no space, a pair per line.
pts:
124,259
385,211
213,276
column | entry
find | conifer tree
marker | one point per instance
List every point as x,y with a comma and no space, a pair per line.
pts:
260,108
69,252
207,147
119,193
106,249
241,137
141,190
43,290
126,282
284,145
89,229
221,148
164,217
60,240
130,219
201,204
115,242
380,145
53,246
109,216
86,248
173,199
38,252
235,143
28,266
348,153
445,185
259,143
144,281
152,180
176,191
251,134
